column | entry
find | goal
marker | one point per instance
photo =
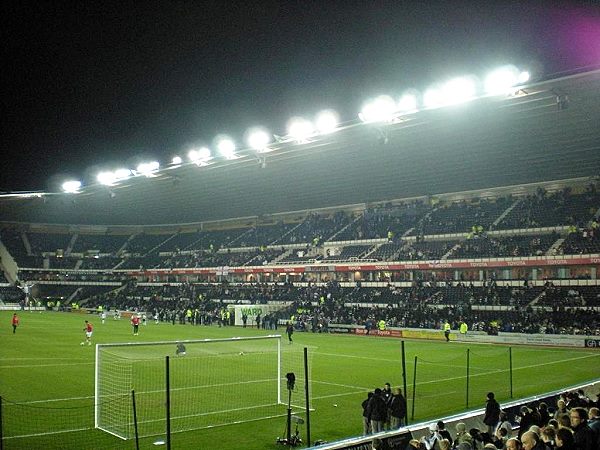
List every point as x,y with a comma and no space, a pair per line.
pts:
217,382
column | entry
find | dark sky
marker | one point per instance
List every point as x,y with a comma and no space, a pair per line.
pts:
99,84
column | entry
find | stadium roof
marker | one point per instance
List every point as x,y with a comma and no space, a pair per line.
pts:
548,131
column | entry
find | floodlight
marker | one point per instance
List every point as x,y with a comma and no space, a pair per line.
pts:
176,160
327,121
71,186
121,174
502,80
106,178
199,156
458,90
523,77
148,169
380,109
300,129
258,139
226,147
407,103
433,98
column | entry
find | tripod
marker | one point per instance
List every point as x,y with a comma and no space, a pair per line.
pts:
290,440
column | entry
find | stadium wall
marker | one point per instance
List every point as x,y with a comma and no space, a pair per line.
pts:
553,340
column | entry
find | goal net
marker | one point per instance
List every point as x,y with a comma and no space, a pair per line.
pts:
216,382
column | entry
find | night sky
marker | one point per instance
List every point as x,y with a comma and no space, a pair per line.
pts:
101,85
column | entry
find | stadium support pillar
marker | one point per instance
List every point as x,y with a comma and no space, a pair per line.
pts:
1,424
510,370
467,390
404,375
412,414
168,403
306,395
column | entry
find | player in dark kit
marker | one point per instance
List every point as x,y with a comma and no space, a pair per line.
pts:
180,351
289,330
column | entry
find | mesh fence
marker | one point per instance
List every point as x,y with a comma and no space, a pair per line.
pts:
55,425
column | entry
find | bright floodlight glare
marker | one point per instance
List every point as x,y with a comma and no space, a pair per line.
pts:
258,139
71,186
226,148
203,154
176,160
106,178
300,129
193,155
502,80
523,77
147,169
121,174
458,90
433,98
381,109
407,103
199,156
327,121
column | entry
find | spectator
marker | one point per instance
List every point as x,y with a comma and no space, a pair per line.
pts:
531,441
445,434
366,417
432,440
492,413
513,444
565,440
377,411
504,423
594,420
462,435
585,438
549,436
397,408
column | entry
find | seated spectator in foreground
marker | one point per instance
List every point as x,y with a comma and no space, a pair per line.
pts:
416,445
504,423
585,438
445,434
531,441
549,436
462,435
565,439
513,444
500,438
445,444
594,420
561,408
564,421
432,440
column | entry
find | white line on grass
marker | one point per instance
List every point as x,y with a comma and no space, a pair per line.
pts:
47,365
358,388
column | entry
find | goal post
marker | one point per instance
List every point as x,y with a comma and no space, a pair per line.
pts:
216,382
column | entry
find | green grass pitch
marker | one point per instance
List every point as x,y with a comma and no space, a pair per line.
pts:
50,375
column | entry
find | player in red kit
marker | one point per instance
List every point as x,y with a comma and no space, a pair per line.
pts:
88,330
135,321
15,322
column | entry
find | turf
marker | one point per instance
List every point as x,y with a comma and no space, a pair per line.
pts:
47,380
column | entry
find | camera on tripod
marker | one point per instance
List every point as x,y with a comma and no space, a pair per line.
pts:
291,440
294,439
291,380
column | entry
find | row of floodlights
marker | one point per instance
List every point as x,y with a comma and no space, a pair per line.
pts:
383,108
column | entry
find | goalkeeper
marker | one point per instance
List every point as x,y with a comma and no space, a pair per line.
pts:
180,351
